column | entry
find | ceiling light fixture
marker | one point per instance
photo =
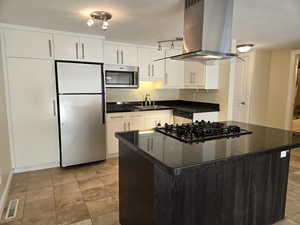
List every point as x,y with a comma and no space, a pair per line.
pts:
101,17
244,48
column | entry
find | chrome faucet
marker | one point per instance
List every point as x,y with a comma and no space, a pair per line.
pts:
147,100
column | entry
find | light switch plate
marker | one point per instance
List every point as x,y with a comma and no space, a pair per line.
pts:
283,154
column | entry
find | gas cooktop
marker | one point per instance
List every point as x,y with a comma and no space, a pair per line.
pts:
201,131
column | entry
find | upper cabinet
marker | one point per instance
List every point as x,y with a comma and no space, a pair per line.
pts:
91,49
72,47
149,69
174,70
199,76
28,44
115,53
66,47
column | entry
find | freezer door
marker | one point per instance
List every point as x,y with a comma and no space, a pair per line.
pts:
82,129
79,78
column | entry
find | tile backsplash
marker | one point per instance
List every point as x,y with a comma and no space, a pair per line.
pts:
153,88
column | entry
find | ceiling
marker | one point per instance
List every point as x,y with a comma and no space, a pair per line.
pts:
266,23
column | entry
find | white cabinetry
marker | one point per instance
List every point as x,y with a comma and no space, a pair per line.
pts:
117,122
174,70
28,44
150,70
31,89
72,47
200,76
91,49
115,53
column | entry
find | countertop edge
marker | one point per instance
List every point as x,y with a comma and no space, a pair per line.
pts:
177,171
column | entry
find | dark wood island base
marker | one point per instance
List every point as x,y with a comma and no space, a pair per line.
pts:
247,190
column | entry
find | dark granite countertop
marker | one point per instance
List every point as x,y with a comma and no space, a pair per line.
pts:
180,105
173,155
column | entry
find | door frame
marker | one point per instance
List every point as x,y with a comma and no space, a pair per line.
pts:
231,86
292,76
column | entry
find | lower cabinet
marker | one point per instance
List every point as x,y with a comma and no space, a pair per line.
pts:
118,122
207,116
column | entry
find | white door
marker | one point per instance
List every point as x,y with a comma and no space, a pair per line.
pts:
174,76
145,61
91,49
28,44
241,94
33,111
157,67
111,53
67,47
129,56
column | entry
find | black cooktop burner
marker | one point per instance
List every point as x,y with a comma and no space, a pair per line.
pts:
201,131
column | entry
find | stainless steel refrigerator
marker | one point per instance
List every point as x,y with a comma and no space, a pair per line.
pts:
81,104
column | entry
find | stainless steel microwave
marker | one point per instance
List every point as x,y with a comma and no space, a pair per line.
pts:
117,76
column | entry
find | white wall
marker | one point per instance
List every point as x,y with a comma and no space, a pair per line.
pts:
278,88
5,159
152,88
259,77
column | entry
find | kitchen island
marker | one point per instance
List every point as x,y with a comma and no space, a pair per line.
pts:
228,181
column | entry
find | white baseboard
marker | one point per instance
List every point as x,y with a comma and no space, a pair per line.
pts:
4,195
113,155
37,167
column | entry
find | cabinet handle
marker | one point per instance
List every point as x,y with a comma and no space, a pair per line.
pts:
54,107
151,144
116,117
148,70
152,70
82,49
148,144
117,56
124,124
166,78
122,55
76,50
128,126
50,47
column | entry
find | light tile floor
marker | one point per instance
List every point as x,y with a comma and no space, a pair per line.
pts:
88,195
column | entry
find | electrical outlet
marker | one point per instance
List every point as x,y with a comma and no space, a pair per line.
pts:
283,154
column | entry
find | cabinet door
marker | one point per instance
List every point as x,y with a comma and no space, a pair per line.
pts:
113,125
67,47
174,76
91,49
193,73
33,111
209,116
157,68
145,63
111,53
129,56
211,80
28,44
136,122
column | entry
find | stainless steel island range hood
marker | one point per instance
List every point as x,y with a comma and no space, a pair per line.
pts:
207,31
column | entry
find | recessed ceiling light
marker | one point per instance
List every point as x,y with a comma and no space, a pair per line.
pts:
244,48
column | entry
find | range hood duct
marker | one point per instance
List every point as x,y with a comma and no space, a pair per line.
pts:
207,31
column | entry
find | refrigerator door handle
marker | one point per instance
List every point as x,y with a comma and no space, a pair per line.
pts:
54,107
